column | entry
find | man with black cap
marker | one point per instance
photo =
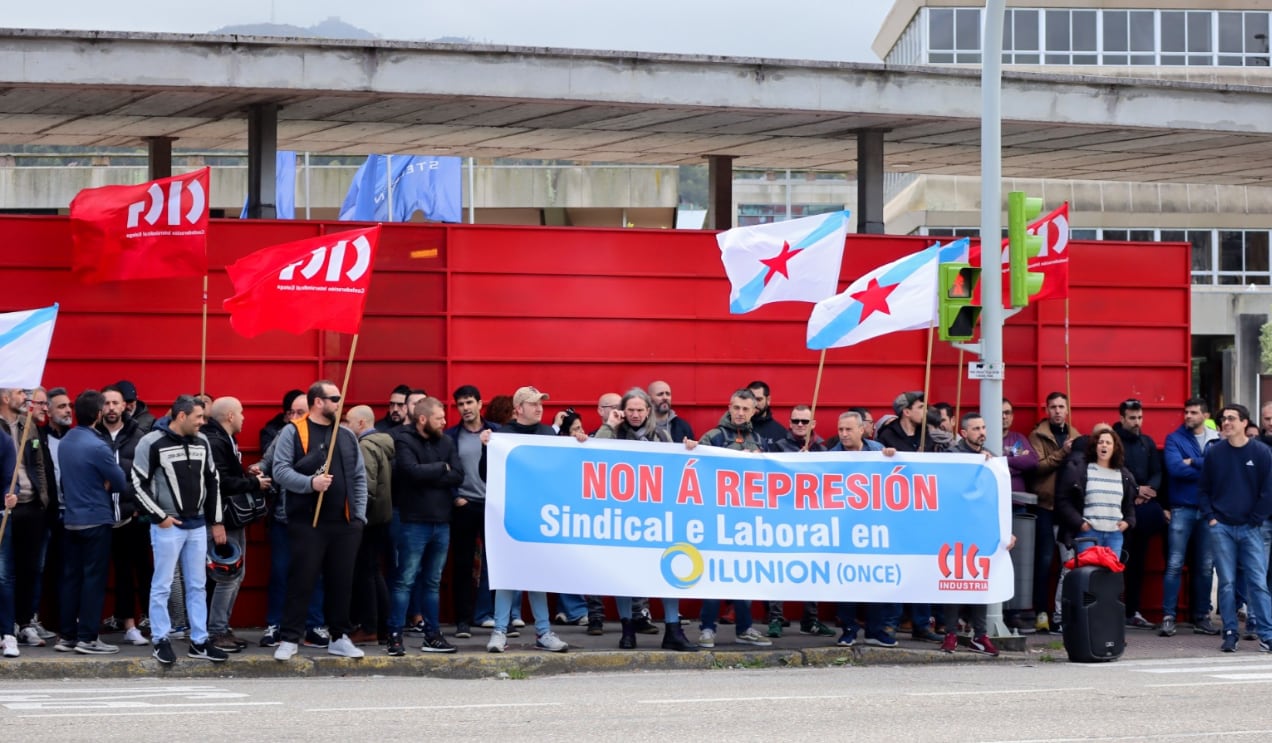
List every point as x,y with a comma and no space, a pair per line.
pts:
137,409
906,432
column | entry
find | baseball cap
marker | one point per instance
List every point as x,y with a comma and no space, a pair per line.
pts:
127,389
528,394
905,400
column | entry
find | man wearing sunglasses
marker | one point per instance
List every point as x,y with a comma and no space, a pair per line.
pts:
330,546
398,414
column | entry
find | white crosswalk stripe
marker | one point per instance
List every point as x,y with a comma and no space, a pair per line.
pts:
1204,671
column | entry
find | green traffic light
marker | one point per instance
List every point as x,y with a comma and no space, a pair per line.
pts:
1021,246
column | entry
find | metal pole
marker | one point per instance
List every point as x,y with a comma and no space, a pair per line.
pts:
991,390
472,193
388,177
307,196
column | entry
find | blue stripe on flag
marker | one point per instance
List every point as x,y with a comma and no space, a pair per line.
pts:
34,320
748,295
850,318
832,222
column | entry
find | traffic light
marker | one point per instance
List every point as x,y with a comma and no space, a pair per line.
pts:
1021,246
959,312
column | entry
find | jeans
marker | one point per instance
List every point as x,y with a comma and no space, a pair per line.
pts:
538,606
625,604
190,548
875,620
1241,544
1066,554
421,549
224,593
1111,539
711,612
920,616
1252,620
85,564
8,580
276,594
572,605
776,611
1186,525
977,617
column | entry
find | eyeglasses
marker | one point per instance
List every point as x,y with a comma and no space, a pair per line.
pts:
607,407
800,421
333,398
1233,418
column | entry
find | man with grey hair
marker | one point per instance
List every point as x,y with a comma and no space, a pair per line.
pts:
237,482
176,482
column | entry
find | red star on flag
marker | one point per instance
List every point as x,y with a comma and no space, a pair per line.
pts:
874,299
777,264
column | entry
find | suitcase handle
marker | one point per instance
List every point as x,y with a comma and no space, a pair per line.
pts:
1077,555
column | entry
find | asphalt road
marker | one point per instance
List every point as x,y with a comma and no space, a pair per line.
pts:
1219,697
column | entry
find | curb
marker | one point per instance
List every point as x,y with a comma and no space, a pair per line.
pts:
516,665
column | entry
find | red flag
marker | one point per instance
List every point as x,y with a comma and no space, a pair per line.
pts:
154,230
320,282
1052,260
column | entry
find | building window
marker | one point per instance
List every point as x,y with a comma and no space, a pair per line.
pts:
1243,39
1071,37
954,35
1187,38
751,214
1203,259
1130,37
1020,37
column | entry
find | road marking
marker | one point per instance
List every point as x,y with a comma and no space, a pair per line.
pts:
133,714
1155,736
123,697
1202,683
1134,664
982,692
1210,669
435,706
721,700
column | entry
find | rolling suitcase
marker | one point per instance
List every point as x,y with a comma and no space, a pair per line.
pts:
1094,615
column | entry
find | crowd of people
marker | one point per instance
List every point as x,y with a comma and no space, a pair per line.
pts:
363,514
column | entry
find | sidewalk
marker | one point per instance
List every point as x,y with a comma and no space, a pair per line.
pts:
587,653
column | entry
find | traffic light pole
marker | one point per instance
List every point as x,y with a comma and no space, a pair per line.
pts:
991,389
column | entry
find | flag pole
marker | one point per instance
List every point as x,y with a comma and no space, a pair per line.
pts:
203,346
927,381
821,364
335,428
1068,381
958,394
13,481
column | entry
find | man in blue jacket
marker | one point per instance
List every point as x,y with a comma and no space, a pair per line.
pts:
1185,455
1236,501
91,481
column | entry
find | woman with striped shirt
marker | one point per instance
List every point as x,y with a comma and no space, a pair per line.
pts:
1095,494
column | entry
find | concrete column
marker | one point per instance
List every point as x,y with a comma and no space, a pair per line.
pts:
870,181
159,162
262,158
719,192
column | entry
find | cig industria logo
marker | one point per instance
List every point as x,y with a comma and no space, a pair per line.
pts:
333,260
151,209
682,565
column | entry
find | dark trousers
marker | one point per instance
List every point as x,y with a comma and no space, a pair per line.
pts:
29,530
1149,522
85,565
976,614
1044,556
468,524
130,552
330,549
776,611
370,591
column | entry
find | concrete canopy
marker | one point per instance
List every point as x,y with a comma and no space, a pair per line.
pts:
354,97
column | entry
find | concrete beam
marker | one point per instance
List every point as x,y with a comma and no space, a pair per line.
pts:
159,160
719,192
262,149
870,181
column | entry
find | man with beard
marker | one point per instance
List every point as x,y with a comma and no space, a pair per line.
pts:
1185,457
733,432
767,429
339,497
468,519
130,539
426,469
137,409
398,411
1052,440
678,429
59,421
527,418
27,517
293,408
176,482
225,423
1145,465
633,422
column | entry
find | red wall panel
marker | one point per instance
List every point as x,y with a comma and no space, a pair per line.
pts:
578,312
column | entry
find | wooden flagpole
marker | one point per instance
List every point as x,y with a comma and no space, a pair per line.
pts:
203,348
335,428
821,364
1068,381
13,481
927,381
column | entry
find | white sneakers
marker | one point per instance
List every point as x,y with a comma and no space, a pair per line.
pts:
344,648
706,638
286,650
10,645
133,636
29,635
498,642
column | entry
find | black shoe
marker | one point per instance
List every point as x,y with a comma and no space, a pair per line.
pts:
462,630
436,644
417,629
628,640
1203,626
317,637
395,647
643,626
595,626
269,638
207,651
163,653
674,639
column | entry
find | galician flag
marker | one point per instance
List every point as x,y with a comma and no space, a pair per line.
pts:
894,297
24,346
793,261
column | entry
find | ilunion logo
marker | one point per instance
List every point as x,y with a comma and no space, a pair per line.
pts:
668,565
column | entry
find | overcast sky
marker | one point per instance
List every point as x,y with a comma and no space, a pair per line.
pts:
797,29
